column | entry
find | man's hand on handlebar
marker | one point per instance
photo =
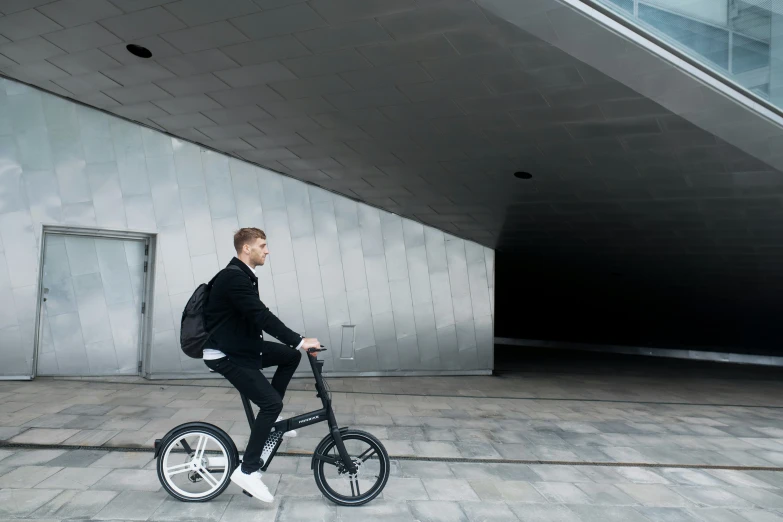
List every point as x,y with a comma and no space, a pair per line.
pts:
310,342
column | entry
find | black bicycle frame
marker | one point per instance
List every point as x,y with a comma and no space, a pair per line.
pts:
324,414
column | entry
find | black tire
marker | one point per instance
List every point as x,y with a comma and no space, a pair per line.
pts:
378,452
218,438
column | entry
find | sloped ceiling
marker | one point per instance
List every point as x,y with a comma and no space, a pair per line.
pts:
425,108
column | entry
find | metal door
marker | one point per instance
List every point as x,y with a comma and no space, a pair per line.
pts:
92,300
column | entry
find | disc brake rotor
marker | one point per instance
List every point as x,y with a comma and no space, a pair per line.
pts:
342,471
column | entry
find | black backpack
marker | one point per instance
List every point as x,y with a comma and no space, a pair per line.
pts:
193,334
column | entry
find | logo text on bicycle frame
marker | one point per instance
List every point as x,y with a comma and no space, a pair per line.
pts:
307,419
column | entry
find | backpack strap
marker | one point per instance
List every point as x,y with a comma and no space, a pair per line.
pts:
227,268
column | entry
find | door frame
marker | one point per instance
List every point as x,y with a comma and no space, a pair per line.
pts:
145,327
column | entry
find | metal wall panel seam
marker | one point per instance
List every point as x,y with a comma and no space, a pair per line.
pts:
473,319
330,359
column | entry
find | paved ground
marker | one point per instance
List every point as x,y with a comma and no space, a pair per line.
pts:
574,418
60,485
572,421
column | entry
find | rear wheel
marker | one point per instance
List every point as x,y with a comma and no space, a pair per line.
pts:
195,464
373,469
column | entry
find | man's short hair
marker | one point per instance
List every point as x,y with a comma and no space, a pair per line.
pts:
244,236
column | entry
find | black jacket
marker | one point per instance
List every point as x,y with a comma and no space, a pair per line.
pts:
234,294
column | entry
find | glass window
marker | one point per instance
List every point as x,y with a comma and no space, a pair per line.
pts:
762,90
711,12
750,20
625,5
748,55
732,37
710,42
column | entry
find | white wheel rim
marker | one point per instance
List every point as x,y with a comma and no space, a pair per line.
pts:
195,464
361,472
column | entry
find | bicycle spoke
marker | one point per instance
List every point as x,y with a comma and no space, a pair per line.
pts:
372,452
179,468
202,445
329,460
206,475
356,478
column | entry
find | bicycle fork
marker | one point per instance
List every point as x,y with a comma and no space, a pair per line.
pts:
338,441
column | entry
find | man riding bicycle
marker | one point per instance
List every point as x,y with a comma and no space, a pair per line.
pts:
237,350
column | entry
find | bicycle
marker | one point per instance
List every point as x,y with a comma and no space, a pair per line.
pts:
195,459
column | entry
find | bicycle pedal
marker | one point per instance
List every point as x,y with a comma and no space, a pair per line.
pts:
246,493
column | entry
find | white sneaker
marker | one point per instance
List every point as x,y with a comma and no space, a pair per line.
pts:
291,433
252,484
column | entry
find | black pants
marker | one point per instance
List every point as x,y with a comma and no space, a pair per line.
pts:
268,397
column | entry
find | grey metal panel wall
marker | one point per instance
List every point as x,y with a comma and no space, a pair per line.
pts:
419,299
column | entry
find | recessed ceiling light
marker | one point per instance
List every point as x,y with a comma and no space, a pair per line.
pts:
523,175
137,50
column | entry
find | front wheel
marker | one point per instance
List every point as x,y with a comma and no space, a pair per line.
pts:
373,469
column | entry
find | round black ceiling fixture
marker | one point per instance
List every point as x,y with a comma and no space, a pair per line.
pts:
523,175
137,50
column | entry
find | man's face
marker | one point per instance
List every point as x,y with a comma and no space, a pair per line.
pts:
258,252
